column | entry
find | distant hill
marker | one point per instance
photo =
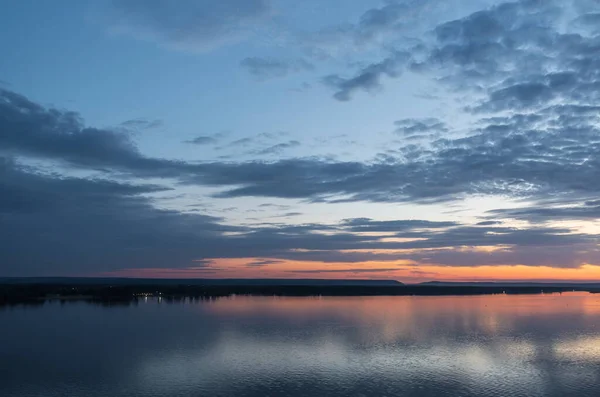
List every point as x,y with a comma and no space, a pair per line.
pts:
196,281
509,284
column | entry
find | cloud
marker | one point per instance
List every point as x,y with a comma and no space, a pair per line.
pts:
142,124
29,193
263,262
202,140
351,270
277,206
587,23
368,78
548,154
519,54
260,144
398,21
568,256
579,211
241,142
290,214
377,20
278,148
526,72
70,222
426,128
55,225
488,223
370,225
543,144
513,156
189,24
459,246
266,68
287,215
27,128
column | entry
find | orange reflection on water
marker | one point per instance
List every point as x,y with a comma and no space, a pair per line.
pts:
416,318
524,341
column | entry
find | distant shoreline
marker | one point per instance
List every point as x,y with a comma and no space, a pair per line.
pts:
33,293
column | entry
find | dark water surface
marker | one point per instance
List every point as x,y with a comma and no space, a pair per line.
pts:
540,345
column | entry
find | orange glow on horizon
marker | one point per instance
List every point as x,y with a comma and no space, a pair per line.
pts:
402,270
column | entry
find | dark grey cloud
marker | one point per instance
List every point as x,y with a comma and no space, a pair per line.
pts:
287,215
377,20
264,262
540,90
372,25
370,225
142,124
516,156
475,236
417,126
189,24
290,214
278,148
368,78
490,45
27,128
386,25
519,54
588,22
53,224
561,256
241,142
426,128
255,140
351,270
202,140
269,68
311,237
551,153
488,223
59,225
23,192
514,58
534,247
466,45
277,206
316,246
263,144
578,211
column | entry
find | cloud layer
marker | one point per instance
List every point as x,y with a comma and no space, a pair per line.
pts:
189,24
525,75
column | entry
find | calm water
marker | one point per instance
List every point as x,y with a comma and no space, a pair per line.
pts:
543,345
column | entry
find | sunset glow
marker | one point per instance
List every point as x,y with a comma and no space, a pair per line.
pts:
408,273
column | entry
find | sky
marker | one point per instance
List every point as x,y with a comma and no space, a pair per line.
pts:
413,140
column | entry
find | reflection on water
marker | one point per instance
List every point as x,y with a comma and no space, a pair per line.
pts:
517,345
